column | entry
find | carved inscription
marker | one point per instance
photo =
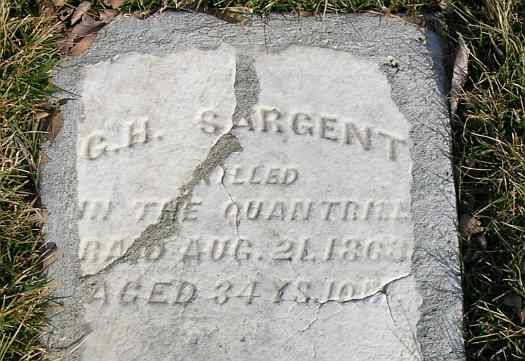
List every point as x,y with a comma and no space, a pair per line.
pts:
303,251
198,250
201,250
323,127
242,205
184,292
132,134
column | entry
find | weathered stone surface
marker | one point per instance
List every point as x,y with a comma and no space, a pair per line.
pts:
254,192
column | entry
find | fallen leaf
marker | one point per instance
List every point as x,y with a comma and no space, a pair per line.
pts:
59,3
235,15
66,43
64,14
83,45
87,26
81,9
459,74
115,4
41,115
55,125
43,158
107,15
470,225
305,13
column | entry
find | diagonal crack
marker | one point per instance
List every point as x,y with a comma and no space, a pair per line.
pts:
168,224
246,88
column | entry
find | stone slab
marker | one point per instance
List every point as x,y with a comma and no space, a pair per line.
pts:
279,190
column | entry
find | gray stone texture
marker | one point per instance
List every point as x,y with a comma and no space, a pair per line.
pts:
277,190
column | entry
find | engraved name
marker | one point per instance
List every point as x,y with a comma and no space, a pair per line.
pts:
135,133
323,127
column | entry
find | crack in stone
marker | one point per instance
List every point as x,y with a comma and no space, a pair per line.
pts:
75,344
246,88
314,320
168,224
237,218
383,290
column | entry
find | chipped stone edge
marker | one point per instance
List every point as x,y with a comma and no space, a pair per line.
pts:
417,80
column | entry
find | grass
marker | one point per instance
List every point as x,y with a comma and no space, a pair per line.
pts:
489,156
27,53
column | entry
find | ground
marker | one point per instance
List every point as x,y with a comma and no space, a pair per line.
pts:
487,37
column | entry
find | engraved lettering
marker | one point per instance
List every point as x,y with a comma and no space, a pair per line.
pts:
305,256
192,251
223,289
186,293
157,292
279,290
392,144
284,251
304,288
116,250
248,292
95,210
243,250
190,213
328,129
128,294
254,210
352,133
99,293
270,120
302,124
244,123
329,209
218,249
300,213
209,123
278,212
138,132
95,146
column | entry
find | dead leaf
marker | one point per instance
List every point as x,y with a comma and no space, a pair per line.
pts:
64,14
107,15
305,13
55,125
234,15
115,4
470,225
43,158
83,45
81,9
66,43
459,74
87,26
41,115
59,3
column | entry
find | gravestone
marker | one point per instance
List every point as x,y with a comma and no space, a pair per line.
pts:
279,190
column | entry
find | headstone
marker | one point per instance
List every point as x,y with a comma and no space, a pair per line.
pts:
275,191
